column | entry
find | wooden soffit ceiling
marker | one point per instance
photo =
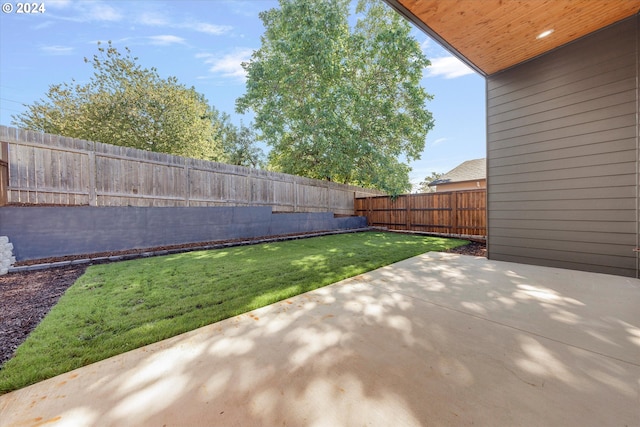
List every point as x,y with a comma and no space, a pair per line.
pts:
492,35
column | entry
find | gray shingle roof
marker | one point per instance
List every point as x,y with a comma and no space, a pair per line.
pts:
471,170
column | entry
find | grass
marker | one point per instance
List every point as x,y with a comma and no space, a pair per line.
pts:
114,308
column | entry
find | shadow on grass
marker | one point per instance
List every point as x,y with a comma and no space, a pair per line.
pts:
118,307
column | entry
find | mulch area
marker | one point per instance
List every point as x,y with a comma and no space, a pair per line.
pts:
472,249
26,297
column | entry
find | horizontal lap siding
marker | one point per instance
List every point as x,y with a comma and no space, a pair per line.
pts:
563,156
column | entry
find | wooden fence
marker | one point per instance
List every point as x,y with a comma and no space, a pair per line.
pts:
455,212
51,169
4,172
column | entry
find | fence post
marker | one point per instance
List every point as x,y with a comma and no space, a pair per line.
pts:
354,204
187,183
408,196
4,173
93,198
453,220
328,198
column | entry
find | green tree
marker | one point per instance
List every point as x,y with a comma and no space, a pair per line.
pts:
339,103
238,143
125,104
239,147
424,185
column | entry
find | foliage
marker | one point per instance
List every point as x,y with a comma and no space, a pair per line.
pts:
114,308
238,143
424,185
125,104
339,103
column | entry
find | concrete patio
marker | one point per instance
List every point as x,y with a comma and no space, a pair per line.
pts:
436,340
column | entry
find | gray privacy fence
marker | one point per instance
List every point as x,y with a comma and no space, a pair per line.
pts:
45,169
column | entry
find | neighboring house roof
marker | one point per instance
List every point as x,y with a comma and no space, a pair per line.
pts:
471,170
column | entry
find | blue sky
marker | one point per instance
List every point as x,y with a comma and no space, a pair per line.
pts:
202,43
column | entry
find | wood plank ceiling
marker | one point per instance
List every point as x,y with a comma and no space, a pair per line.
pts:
492,35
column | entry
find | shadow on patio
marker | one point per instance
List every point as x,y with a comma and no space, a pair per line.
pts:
438,339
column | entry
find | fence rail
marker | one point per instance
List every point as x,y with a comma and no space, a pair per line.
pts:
51,169
455,212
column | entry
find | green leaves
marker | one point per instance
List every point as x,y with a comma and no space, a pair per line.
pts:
125,104
335,102
239,146
424,185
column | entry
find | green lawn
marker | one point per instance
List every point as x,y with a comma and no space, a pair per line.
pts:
114,308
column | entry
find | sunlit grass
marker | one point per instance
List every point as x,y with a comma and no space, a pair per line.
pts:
114,308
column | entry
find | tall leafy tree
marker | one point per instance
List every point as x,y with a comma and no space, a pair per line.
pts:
125,104
423,187
239,144
338,102
240,148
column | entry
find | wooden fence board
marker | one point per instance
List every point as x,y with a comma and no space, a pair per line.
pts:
51,169
4,173
455,213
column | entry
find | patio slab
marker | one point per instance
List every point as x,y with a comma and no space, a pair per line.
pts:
435,340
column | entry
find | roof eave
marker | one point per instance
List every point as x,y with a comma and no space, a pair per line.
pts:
435,183
408,15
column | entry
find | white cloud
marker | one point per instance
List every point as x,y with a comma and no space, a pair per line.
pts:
102,12
443,64
42,25
152,19
438,141
425,45
204,27
60,4
158,19
57,50
167,39
85,11
249,8
160,40
448,67
228,65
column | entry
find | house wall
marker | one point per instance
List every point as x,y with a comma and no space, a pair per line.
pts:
462,186
562,155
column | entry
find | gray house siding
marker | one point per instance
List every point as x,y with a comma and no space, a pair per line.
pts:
562,155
